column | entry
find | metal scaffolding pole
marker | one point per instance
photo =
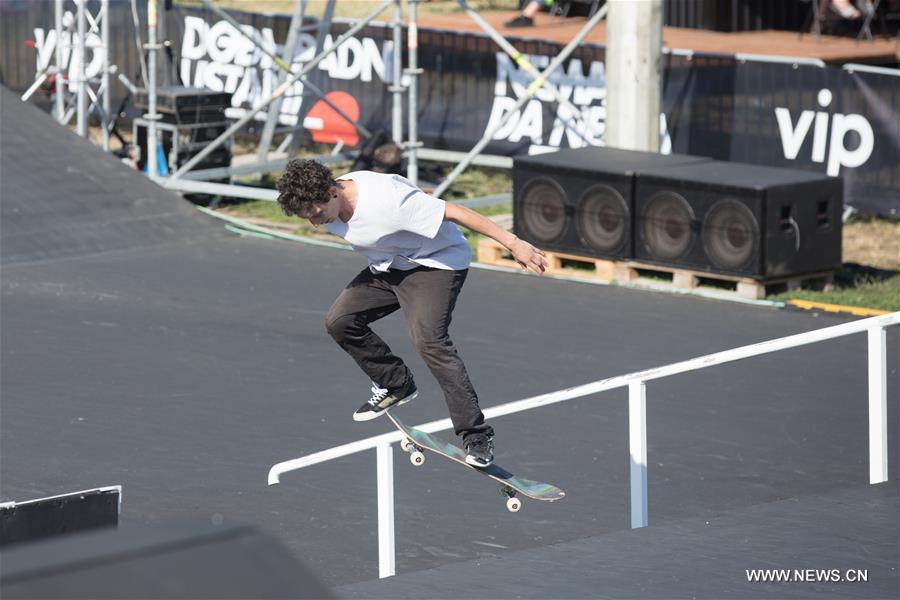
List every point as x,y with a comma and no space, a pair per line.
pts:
396,87
104,84
74,90
279,92
290,46
413,71
268,166
58,54
323,28
38,82
151,115
81,95
532,89
140,47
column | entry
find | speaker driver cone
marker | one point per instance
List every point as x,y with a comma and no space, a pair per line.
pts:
603,219
666,226
730,234
543,211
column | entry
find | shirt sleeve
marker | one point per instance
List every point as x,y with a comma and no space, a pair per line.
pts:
418,212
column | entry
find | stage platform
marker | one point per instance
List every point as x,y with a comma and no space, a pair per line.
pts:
830,49
851,533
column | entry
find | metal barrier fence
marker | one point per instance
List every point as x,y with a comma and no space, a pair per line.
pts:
875,328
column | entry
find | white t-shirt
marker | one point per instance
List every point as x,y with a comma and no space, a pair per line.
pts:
398,226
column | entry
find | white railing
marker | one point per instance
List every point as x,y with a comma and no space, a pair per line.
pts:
876,328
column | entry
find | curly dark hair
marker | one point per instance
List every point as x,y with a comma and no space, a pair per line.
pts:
304,183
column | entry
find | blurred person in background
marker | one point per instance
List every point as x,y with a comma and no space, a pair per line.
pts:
526,17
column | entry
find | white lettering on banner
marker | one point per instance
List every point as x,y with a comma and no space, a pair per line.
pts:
355,59
193,44
834,148
220,58
577,128
45,44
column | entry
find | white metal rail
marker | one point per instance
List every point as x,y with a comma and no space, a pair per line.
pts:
875,327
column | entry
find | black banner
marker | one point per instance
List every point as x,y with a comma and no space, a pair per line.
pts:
824,119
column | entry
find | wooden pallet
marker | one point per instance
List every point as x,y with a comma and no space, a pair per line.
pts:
492,253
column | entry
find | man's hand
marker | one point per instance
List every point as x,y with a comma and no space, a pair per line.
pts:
529,257
524,253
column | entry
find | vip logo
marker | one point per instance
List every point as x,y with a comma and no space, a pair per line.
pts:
45,44
834,147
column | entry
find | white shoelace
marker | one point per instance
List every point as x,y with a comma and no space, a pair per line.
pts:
378,394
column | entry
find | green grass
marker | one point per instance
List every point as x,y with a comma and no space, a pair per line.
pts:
497,209
479,181
258,209
880,295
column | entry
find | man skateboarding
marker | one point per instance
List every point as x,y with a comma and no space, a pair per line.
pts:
418,261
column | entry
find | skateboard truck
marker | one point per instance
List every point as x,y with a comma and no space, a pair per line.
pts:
416,456
513,504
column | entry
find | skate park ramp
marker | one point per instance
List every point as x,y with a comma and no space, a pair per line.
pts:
63,197
143,345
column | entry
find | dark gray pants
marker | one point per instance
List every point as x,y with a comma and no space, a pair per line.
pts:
427,297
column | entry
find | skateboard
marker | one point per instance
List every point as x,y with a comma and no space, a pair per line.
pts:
510,486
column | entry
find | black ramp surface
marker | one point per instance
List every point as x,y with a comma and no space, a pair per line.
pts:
62,197
183,365
844,544
180,559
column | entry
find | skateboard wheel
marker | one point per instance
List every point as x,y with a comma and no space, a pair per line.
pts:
406,444
417,458
513,505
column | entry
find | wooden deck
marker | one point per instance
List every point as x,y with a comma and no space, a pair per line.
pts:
830,49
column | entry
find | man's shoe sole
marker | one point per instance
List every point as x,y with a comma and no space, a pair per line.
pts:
477,464
369,416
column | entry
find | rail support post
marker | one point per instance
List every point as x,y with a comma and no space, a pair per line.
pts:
386,555
637,440
878,452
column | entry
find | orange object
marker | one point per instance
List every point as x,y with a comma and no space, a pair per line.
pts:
327,126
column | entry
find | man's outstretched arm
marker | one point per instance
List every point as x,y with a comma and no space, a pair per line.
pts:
524,253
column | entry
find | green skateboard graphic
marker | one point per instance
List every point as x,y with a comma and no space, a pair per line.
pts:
510,485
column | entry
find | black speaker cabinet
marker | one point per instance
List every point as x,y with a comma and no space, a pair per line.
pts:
738,219
186,105
581,200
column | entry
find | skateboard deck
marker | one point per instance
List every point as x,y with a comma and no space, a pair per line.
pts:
510,485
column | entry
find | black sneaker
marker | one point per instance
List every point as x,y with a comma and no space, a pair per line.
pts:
479,450
383,399
520,21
